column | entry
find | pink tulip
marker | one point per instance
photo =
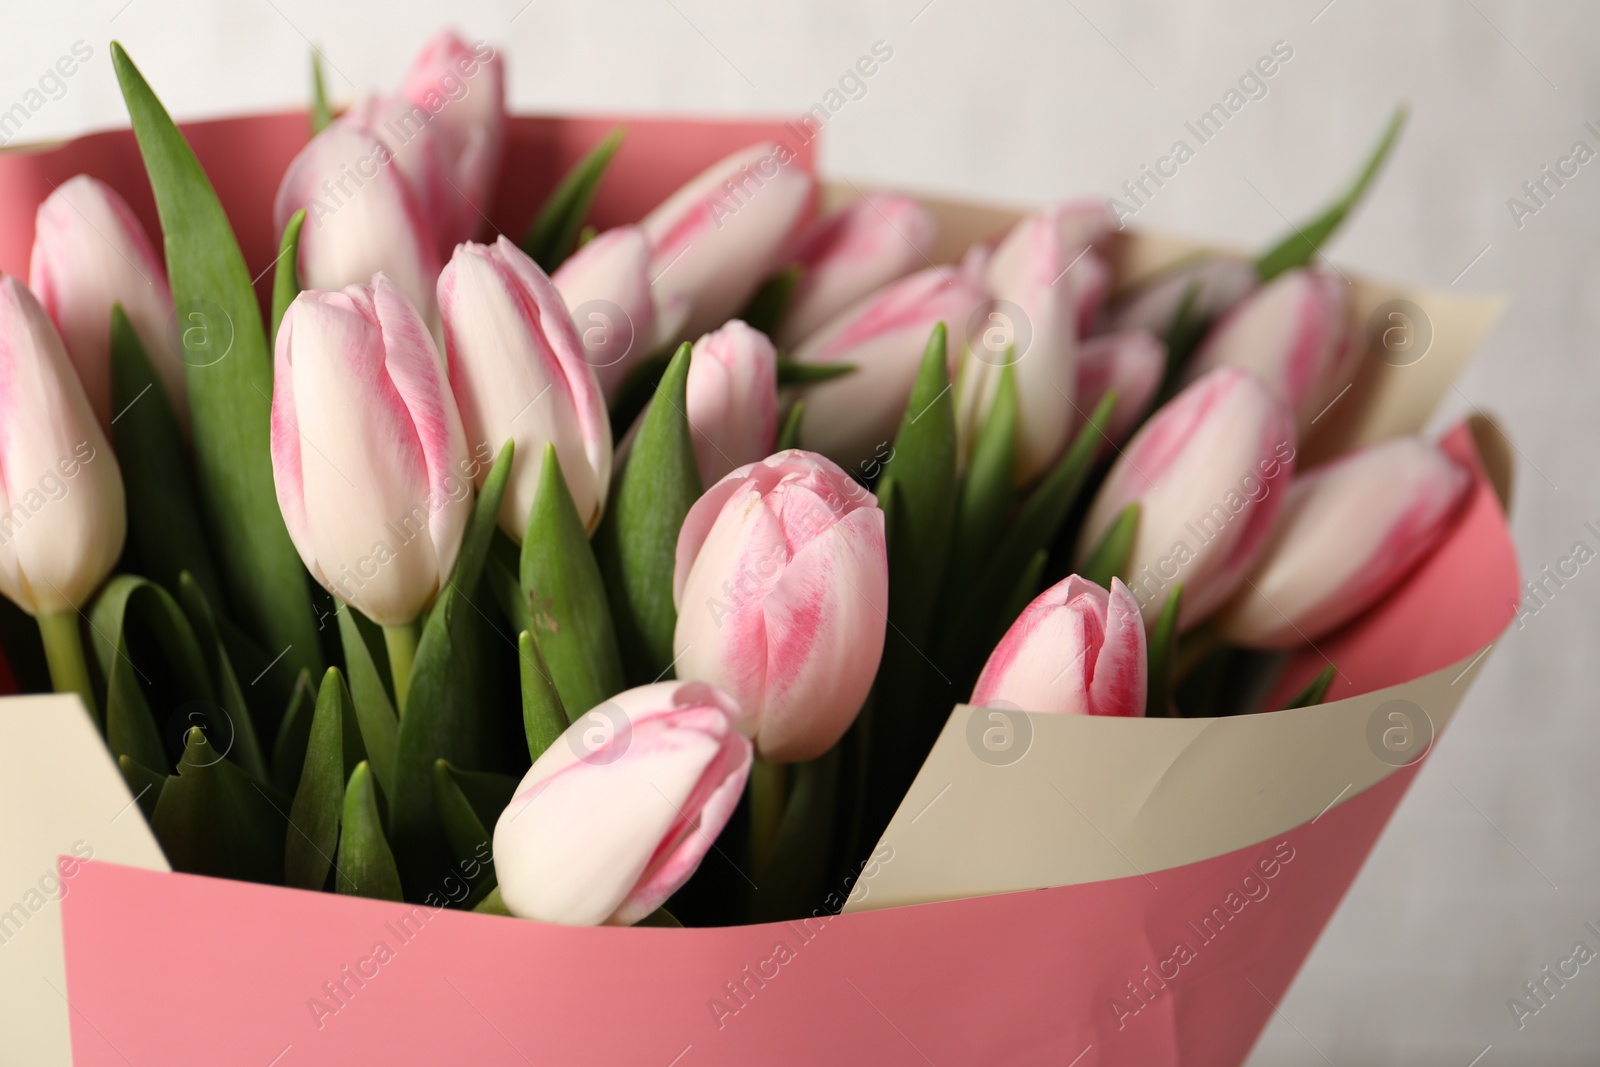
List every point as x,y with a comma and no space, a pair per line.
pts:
362,214
782,589
851,253
616,815
606,286
1084,223
1219,281
883,337
733,399
1208,471
1132,363
715,239
90,252
1076,650
370,464
518,372
1348,532
62,515
1292,333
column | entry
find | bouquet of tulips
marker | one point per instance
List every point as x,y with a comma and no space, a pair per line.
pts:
603,577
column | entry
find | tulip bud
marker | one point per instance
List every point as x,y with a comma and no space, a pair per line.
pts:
851,253
616,815
1349,531
733,399
713,240
518,371
1292,334
362,214
368,457
782,591
606,287
1219,282
90,252
1131,363
457,91
883,337
1208,472
62,513
1076,650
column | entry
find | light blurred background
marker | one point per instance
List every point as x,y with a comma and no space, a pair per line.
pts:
1492,866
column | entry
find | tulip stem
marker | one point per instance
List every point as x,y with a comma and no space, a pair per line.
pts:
769,784
63,649
401,642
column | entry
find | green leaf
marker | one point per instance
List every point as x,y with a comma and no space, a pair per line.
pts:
636,544
144,783
462,826
1110,557
1297,249
444,718
244,746
1316,690
987,492
164,531
765,310
380,726
789,434
544,717
286,271
228,374
500,574
636,390
660,917
554,232
792,373
321,113
570,617
366,865
214,819
294,735
332,752
492,904
1163,657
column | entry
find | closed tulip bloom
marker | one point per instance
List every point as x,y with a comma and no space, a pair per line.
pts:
715,239
1076,650
851,253
1219,282
1292,333
883,337
362,214
1349,531
782,589
616,815
90,252
368,457
732,399
518,372
606,286
1208,471
62,514
1132,363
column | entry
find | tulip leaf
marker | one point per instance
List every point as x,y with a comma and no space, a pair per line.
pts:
143,783
554,233
321,113
443,716
637,542
569,615
1297,249
1316,690
492,904
286,271
789,433
794,876
164,530
332,752
636,390
544,717
987,492
1110,557
766,308
1162,657
469,806
244,746
214,819
228,373
792,373
661,917
131,730
366,866
500,573
374,712
294,735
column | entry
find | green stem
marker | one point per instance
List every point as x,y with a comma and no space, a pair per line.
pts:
63,649
769,784
401,640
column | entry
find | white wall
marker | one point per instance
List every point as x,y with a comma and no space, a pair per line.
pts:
1492,866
